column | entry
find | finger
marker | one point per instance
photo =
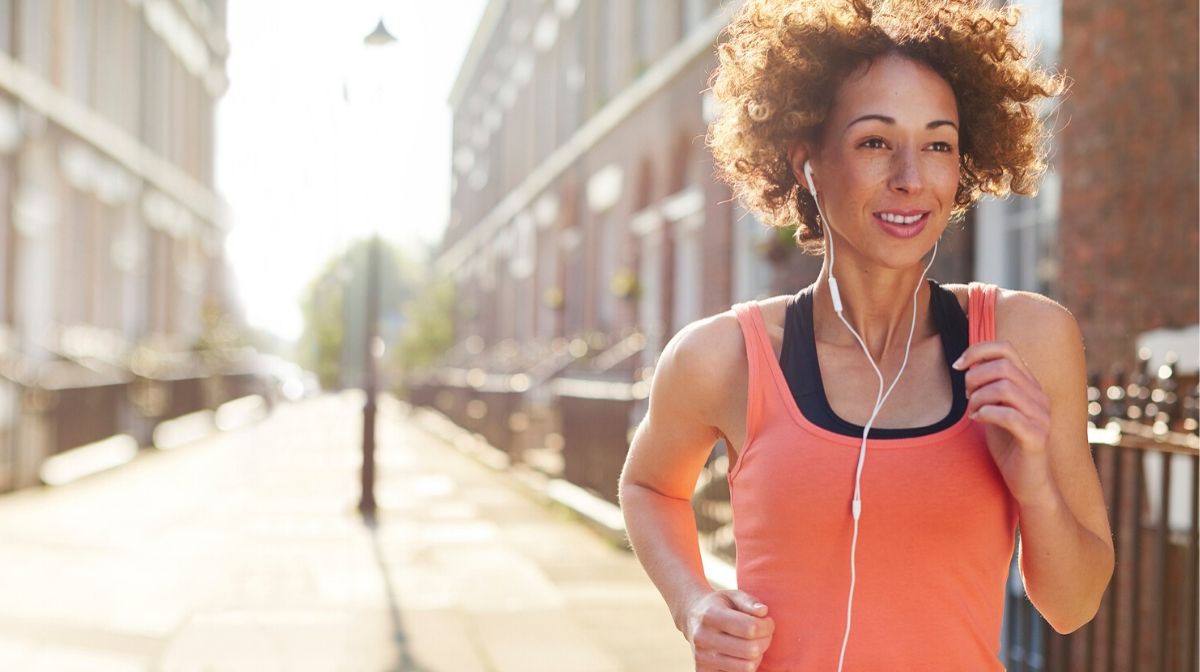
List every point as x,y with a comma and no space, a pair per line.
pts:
999,369
735,647
988,350
1004,392
747,603
741,625
719,662
1011,420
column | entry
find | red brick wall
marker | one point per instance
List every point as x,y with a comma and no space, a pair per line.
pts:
1129,151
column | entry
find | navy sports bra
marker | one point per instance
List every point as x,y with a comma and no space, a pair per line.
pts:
801,369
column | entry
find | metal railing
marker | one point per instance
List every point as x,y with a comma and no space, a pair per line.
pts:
59,406
1146,450
1143,436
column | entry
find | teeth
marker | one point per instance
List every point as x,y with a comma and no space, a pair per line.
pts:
897,219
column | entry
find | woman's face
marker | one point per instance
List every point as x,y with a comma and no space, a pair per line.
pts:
890,150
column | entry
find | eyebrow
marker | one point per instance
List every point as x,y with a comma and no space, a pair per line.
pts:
888,120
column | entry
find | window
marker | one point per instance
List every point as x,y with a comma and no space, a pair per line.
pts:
650,317
751,272
6,22
80,48
606,267
646,29
688,281
600,68
1016,243
693,14
571,83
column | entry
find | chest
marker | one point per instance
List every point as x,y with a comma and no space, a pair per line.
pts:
921,396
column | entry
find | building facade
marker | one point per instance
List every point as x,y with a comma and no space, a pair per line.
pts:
112,237
1130,244
584,205
586,229
582,193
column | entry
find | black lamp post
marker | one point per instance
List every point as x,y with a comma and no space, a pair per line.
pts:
366,505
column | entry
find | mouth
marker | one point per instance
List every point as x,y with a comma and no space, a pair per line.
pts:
902,225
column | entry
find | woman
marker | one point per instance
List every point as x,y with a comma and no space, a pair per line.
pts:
874,528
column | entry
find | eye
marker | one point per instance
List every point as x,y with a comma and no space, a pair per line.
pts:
869,141
948,148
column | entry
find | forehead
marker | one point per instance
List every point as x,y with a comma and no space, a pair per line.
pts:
898,87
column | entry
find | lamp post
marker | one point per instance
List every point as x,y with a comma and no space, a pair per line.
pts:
366,505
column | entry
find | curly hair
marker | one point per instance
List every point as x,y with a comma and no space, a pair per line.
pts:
781,62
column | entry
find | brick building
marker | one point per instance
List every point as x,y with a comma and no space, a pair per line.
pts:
584,204
111,233
1129,236
586,228
582,191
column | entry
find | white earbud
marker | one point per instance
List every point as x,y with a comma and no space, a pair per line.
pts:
812,189
833,288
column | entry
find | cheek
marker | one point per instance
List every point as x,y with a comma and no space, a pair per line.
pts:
858,180
945,179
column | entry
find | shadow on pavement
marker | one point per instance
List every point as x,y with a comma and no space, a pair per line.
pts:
406,663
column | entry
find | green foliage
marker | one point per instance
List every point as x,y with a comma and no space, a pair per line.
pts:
429,326
334,309
320,346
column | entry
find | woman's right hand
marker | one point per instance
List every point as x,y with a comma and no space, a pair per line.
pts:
729,631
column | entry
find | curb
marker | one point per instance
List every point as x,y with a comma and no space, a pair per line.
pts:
602,516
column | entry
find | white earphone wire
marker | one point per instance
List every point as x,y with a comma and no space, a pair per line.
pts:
880,397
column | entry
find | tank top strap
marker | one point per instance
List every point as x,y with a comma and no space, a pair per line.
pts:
759,357
981,311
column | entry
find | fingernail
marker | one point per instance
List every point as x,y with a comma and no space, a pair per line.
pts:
759,605
958,363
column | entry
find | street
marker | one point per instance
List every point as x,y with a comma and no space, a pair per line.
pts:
244,551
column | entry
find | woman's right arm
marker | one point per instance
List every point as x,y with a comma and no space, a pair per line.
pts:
695,375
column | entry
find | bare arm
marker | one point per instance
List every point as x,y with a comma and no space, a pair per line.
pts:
727,629
1066,556
1031,394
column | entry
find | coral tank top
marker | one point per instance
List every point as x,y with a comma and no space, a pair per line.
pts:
935,537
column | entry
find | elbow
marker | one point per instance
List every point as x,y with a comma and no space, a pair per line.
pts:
1064,623
1067,626
1069,623
624,488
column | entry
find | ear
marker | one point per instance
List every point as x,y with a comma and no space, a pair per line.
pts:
797,155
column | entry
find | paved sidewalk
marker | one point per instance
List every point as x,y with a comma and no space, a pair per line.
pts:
244,552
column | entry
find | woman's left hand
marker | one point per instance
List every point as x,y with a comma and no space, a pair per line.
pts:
1004,395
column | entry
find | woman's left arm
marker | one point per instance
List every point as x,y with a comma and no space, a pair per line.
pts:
1030,392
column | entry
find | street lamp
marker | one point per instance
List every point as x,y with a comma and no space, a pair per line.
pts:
377,38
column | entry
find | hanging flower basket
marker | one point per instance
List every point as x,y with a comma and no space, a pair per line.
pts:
553,298
625,284
777,247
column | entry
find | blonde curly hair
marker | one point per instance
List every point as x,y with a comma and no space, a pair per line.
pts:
781,62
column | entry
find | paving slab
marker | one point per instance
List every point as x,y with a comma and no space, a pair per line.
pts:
244,551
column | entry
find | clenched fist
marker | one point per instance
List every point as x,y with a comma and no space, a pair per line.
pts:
729,631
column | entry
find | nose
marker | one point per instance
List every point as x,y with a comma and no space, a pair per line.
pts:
906,173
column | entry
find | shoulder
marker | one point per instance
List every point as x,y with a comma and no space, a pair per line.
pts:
1043,331
1017,307
703,358
1031,308
706,359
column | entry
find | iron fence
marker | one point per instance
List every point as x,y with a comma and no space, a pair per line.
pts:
1143,436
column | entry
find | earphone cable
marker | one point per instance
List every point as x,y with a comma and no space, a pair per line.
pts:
880,397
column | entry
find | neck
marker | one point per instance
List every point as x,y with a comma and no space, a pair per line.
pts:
877,303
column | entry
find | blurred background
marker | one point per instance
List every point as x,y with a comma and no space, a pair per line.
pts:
270,270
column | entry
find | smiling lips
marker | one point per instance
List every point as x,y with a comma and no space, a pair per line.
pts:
901,223
901,216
